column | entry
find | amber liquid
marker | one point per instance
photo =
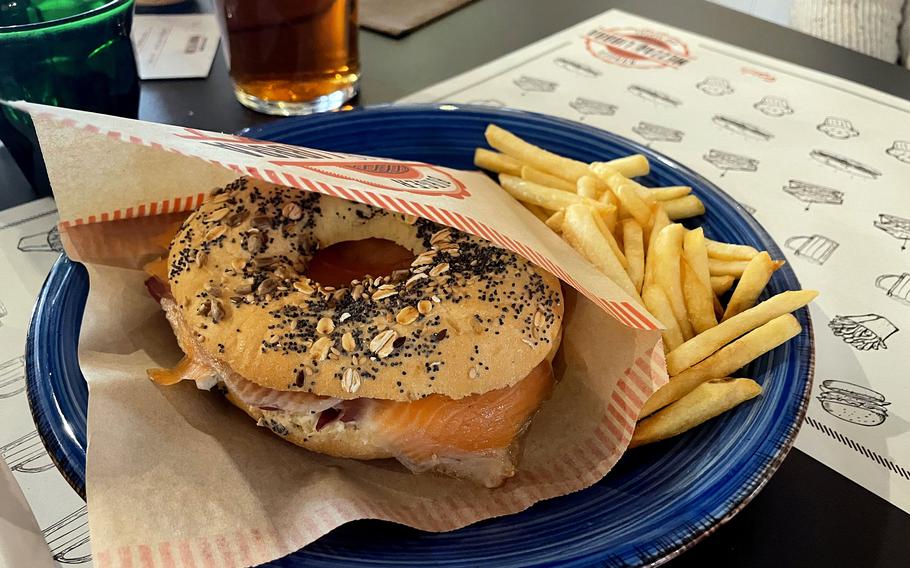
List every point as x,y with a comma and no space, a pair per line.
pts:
293,51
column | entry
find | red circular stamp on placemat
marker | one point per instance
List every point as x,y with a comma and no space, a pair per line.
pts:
636,47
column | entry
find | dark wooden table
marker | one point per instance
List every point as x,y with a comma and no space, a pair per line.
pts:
807,515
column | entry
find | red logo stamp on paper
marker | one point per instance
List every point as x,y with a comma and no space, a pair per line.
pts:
636,47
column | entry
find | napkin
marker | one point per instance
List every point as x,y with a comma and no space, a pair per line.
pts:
398,17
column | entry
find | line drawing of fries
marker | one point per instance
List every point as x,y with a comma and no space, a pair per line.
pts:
865,332
27,454
68,538
12,377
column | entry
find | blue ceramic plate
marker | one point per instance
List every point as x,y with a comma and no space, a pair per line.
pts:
656,503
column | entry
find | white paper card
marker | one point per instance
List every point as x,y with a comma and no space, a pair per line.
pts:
823,164
175,46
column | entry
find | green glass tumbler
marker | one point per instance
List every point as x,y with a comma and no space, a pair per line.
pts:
68,53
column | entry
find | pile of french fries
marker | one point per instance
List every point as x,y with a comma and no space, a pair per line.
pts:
629,233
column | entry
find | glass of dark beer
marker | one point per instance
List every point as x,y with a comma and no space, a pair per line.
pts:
291,57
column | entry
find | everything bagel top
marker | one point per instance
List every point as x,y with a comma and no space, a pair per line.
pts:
466,317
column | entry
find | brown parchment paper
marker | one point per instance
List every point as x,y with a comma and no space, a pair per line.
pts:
177,476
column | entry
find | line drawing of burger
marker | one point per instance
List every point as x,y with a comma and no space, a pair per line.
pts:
810,193
900,150
590,107
653,96
844,164
897,227
853,403
896,286
727,161
774,106
839,128
863,332
741,128
534,85
657,133
715,86
814,248
576,67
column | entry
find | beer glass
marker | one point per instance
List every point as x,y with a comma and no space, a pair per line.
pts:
291,57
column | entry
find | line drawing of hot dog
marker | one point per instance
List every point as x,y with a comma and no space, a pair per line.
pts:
27,454
653,95
576,67
741,127
68,538
844,164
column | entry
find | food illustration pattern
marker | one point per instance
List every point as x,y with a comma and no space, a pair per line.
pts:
853,403
748,208
730,162
48,241
814,248
68,538
653,96
742,128
656,133
715,86
774,106
576,67
590,107
844,164
895,286
534,85
863,332
487,102
12,377
900,150
3,312
810,193
897,227
26,454
839,128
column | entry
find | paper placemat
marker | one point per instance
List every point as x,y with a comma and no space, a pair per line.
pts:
821,162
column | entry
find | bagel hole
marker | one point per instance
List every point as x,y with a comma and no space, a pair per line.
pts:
338,264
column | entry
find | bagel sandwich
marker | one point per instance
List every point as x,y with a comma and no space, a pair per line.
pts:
440,363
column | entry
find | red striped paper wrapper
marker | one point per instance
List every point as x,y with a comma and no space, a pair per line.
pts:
176,477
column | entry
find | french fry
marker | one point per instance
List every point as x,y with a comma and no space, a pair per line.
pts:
718,308
726,251
720,284
610,217
538,212
607,196
546,197
658,304
633,246
554,221
726,361
587,186
631,166
580,230
626,191
532,155
754,279
667,273
542,178
496,162
658,221
719,267
608,234
696,254
699,300
704,344
684,207
669,192
706,401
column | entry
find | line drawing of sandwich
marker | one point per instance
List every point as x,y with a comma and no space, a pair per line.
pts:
653,96
68,538
27,454
810,193
774,106
728,161
47,241
839,128
897,227
715,86
863,332
900,150
576,67
589,107
815,248
12,377
487,102
896,286
534,85
657,133
853,403
844,164
737,126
